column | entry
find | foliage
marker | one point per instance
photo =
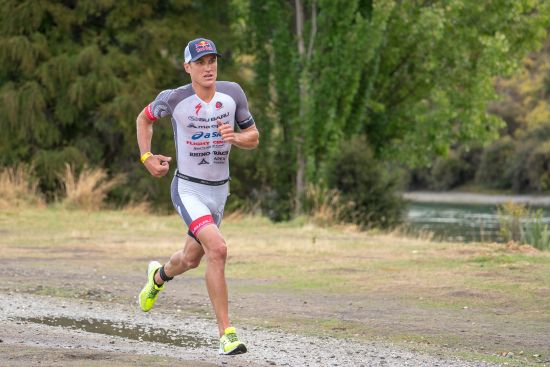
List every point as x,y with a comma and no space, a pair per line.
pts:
74,76
19,187
369,188
524,98
421,84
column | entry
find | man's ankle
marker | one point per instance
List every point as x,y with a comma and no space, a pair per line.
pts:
157,279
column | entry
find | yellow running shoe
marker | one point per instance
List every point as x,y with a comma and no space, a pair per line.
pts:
150,293
230,343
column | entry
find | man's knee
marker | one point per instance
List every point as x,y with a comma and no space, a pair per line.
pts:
192,262
218,251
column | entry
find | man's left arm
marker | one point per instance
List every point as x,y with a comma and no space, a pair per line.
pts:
248,138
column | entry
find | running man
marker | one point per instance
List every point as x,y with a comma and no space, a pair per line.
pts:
203,114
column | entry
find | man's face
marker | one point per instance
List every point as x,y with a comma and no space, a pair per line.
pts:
204,71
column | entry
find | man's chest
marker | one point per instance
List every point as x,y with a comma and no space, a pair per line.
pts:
194,115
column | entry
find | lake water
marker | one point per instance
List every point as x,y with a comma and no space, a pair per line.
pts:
458,222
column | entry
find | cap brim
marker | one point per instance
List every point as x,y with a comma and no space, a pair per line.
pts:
204,54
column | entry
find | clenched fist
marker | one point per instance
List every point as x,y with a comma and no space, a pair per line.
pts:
226,131
158,165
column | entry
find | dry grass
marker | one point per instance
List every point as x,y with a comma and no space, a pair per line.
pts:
325,205
19,188
138,207
89,190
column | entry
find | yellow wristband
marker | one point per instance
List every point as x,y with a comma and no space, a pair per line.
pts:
146,156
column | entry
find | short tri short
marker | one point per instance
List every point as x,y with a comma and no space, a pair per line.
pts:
199,205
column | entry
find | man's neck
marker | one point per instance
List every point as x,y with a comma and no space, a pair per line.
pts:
206,94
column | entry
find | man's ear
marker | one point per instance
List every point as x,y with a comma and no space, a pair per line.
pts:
187,68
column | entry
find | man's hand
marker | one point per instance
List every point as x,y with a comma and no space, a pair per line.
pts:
158,165
226,131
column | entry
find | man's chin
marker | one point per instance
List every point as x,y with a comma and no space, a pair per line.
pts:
208,83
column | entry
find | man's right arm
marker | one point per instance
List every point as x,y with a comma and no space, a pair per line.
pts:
158,164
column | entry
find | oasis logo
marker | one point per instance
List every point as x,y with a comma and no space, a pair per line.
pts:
219,105
201,135
221,153
203,154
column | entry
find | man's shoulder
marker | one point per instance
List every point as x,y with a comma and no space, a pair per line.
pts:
231,88
181,92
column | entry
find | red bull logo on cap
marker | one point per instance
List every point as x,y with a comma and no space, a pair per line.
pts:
203,46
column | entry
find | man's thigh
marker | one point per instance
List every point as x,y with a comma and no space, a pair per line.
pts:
210,237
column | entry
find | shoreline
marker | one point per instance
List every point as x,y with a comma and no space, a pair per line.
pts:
472,198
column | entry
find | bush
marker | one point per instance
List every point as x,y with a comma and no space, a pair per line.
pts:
369,188
88,189
18,188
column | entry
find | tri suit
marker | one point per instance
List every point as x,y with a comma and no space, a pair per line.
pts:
201,182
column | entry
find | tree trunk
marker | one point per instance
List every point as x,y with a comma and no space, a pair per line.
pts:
300,138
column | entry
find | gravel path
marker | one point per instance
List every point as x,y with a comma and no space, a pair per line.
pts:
25,322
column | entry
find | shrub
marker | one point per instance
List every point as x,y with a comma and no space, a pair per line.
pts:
88,189
18,188
369,188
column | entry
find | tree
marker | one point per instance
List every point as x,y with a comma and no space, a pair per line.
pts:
415,77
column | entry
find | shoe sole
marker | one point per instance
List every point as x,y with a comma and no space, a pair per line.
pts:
241,348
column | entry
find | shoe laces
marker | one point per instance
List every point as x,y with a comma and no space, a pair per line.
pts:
232,337
152,293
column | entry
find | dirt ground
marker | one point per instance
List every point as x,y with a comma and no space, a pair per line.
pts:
43,283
